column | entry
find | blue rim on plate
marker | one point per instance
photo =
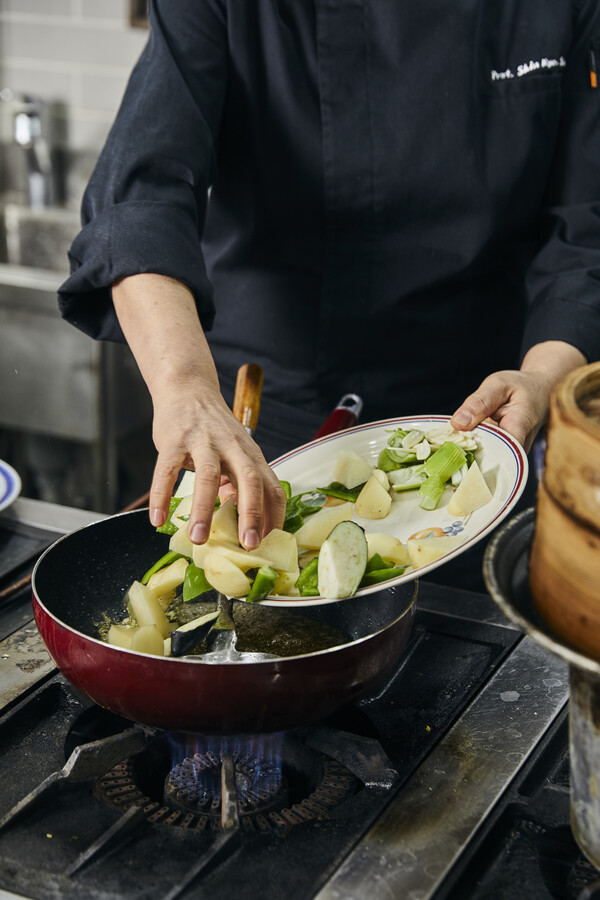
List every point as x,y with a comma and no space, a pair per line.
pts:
10,485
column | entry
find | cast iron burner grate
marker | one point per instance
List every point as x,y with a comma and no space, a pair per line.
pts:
309,785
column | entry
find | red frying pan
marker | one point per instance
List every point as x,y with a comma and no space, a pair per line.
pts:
84,576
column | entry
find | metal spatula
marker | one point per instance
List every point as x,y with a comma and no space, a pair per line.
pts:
221,639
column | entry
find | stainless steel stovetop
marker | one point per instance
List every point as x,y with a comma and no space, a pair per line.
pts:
457,766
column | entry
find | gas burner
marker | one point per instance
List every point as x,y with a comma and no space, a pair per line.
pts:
194,784
305,785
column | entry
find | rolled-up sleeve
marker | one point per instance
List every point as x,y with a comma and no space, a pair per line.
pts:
145,205
563,281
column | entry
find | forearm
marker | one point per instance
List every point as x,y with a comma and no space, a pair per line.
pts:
193,427
552,360
159,320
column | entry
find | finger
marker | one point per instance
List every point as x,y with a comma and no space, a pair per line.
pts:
250,502
521,427
206,486
482,404
165,475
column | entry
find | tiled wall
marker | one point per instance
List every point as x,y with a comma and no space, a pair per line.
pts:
73,54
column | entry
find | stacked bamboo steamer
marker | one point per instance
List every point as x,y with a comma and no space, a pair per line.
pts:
564,567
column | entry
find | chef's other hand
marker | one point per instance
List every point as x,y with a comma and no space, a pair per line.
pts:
193,427
518,401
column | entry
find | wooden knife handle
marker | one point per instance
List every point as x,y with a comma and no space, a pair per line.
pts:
248,389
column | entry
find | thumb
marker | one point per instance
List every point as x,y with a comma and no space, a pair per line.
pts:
480,405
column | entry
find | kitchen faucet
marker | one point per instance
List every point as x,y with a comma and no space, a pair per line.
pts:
30,135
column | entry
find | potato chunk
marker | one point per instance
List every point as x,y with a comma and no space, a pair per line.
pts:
281,549
146,609
471,494
225,576
224,525
383,478
243,559
180,542
166,580
422,552
374,501
186,485
285,581
148,639
319,525
351,469
223,528
121,635
388,547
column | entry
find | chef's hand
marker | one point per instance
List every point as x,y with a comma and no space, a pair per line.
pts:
518,401
193,427
194,431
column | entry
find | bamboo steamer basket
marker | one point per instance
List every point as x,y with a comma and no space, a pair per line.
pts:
564,566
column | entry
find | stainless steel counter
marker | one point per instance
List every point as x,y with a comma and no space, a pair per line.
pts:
48,516
416,834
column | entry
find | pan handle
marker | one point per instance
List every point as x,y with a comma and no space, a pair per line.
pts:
246,402
345,415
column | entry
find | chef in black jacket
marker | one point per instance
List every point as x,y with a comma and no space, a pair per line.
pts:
396,199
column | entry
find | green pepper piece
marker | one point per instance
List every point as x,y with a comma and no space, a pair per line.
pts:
293,523
308,580
377,575
287,489
165,560
262,585
195,583
168,527
297,510
340,491
376,562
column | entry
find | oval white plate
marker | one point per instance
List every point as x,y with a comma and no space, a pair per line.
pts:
10,485
501,459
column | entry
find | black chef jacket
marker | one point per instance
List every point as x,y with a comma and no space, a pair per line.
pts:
376,196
